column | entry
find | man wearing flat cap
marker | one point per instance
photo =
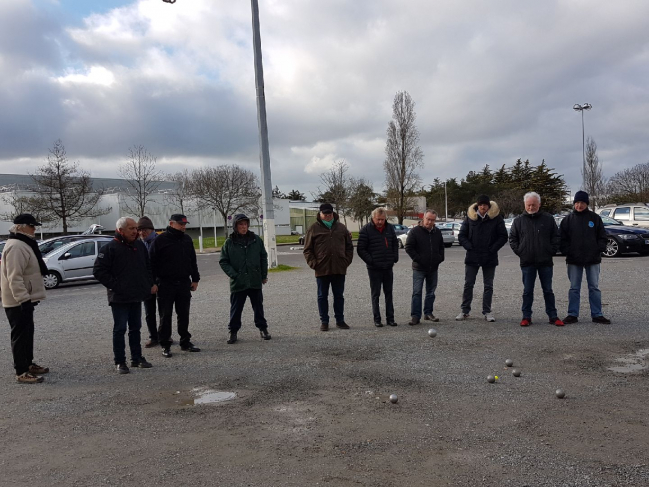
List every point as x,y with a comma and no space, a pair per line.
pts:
146,232
21,282
175,271
482,234
328,250
583,239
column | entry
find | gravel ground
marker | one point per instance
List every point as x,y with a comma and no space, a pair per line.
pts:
312,408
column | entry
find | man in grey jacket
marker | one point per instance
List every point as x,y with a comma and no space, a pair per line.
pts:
21,279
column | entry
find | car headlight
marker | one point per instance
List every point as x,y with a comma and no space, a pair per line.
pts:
628,236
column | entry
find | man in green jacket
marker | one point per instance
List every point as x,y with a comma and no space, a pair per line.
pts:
245,261
328,250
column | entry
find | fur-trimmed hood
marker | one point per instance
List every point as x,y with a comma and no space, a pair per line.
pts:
492,213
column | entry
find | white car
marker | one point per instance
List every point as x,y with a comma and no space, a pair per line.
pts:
447,236
73,261
629,214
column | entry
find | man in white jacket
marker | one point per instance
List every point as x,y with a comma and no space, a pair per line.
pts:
21,282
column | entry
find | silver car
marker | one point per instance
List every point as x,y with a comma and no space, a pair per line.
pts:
447,236
73,261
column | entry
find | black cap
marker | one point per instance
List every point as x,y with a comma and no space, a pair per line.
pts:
579,196
238,218
484,200
178,218
26,219
326,208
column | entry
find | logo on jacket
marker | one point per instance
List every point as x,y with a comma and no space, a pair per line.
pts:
591,224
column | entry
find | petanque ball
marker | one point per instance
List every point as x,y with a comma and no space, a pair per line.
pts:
509,362
491,379
393,398
432,332
560,393
516,373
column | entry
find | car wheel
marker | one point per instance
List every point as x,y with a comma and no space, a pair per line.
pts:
400,244
448,245
51,280
612,248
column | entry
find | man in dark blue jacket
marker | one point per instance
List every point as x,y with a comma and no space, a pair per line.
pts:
378,248
173,262
583,239
123,267
425,246
482,234
534,237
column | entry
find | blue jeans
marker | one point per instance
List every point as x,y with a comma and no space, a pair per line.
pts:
575,273
127,315
529,278
337,283
418,278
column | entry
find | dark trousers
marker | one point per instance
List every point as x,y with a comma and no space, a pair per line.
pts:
238,300
22,337
150,317
127,316
529,277
418,279
337,283
176,293
378,278
470,274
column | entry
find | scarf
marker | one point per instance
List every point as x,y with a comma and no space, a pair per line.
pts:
31,241
328,224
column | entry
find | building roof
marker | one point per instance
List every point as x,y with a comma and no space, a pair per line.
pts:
11,182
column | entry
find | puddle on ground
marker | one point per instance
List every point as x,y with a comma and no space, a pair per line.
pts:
208,396
632,363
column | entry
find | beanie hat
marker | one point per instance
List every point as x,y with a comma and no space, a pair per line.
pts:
484,200
145,223
238,218
581,196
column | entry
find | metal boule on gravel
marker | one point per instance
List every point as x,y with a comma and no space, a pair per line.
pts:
393,398
509,362
516,373
491,379
432,332
560,393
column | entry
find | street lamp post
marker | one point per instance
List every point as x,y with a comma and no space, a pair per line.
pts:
580,108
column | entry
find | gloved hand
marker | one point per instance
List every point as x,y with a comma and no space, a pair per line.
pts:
27,306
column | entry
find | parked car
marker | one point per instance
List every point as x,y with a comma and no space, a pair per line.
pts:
400,229
73,261
447,235
508,224
50,244
621,239
630,214
455,230
402,239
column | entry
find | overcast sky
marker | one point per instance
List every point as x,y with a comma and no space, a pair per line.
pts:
492,81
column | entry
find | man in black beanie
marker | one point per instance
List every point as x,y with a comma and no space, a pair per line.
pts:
482,234
583,239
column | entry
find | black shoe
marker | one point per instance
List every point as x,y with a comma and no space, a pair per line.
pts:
391,323
324,326
570,319
189,347
342,325
122,369
413,321
264,334
378,324
142,363
166,352
602,320
233,337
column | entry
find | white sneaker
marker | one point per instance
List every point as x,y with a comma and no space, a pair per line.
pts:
489,317
462,317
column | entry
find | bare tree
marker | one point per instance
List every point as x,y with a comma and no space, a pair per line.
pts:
142,178
63,192
19,204
227,189
403,155
631,184
335,187
180,195
593,181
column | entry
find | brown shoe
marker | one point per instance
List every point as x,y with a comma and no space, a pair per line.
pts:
324,326
151,344
28,378
36,369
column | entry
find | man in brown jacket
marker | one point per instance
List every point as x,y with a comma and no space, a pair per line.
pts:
328,250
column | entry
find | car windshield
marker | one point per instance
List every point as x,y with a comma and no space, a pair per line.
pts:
609,221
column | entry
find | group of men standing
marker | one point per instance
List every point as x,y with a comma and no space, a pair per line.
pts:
534,237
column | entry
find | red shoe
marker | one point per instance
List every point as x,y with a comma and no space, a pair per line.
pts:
526,322
556,321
